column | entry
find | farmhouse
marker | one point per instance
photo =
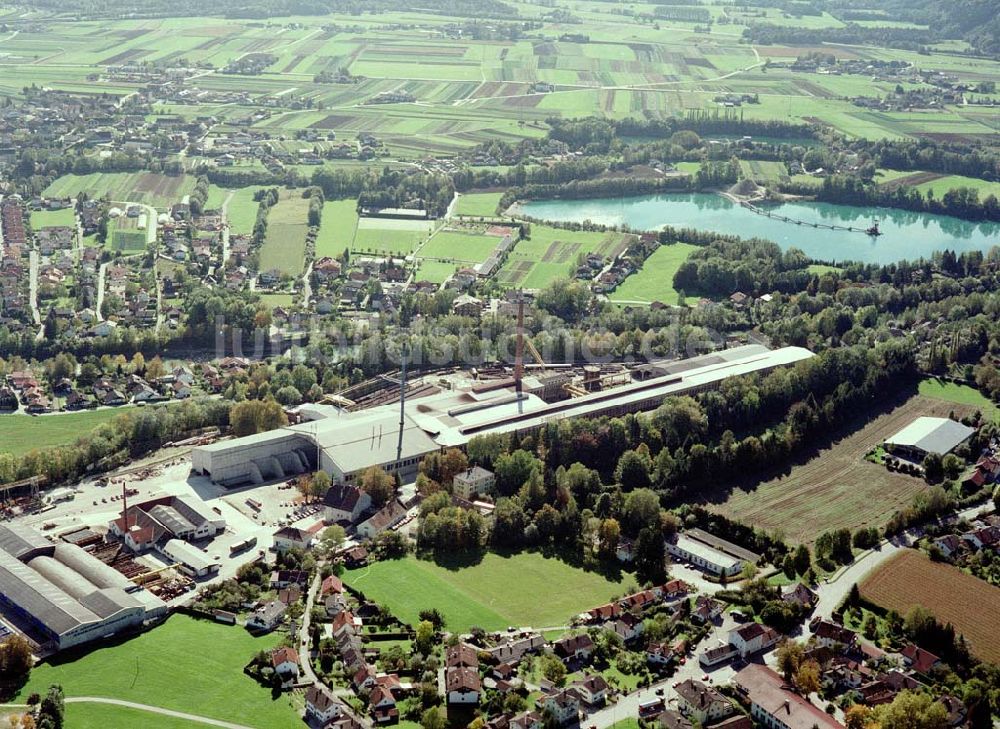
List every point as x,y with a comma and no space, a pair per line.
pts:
928,435
63,593
710,552
775,705
346,443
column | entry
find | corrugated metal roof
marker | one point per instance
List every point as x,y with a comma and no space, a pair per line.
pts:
932,435
41,599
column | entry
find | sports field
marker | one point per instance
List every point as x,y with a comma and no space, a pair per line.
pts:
655,280
435,271
478,204
284,245
390,237
837,487
970,604
185,664
526,589
459,245
22,433
336,230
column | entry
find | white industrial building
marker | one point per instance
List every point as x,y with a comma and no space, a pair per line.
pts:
928,435
710,553
189,559
345,443
65,595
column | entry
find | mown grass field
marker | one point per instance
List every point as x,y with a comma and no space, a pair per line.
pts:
458,245
284,245
151,188
103,716
22,433
435,271
655,280
390,237
960,395
972,605
836,487
478,204
185,664
525,589
241,213
337,226
51,218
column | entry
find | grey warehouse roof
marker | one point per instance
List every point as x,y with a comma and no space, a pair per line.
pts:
932,435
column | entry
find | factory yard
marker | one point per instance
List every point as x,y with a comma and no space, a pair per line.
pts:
185,664
837,487
480,594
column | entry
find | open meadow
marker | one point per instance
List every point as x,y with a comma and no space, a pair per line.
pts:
478,204
972,605
187,665
655,280
337,226
284,245
836,487
20,434
160,191
390,237
549,592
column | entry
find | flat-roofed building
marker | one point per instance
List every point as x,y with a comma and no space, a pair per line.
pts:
346,443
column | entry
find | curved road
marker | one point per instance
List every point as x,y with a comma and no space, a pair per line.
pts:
142,707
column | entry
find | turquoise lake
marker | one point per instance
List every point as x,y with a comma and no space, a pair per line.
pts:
905,235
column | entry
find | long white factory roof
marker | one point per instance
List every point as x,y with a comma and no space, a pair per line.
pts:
359,439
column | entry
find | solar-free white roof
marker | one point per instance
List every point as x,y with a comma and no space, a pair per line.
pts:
932,435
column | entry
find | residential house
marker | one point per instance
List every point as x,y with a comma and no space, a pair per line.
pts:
288,537
833,636
701,702
462,685
574,647
592,689
383,705
285,662
385,518
513,651
800,594
462,655
345,503
321,706
753,638
267,617
918,659
562,705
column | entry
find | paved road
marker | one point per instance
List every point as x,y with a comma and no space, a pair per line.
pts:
141,707
33,285
101,272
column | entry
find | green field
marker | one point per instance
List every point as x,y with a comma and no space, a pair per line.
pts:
549,592
392,237
655,280
103,716
478,204
951,182
124,235
52,218
185,665
151,188
275,300
436,271
960,395
820,268
552,253
241,213
22,433
458,245
336,230
284,246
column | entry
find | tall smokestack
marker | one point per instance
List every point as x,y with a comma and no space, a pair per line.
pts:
519,351
125,506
